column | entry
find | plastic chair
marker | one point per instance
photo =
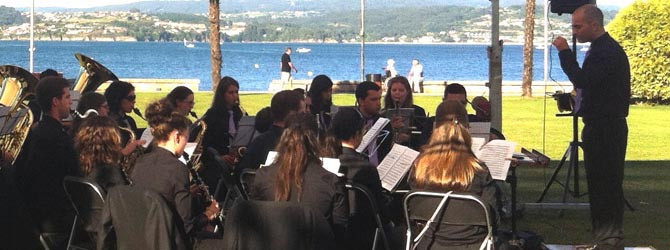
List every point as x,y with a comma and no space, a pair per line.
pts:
442,208
372,202
86,197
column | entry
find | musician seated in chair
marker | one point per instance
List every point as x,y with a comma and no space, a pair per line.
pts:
121,100
343,138
399,95
182,99
51,157
88,101
297,175
445,164
98,144
222,120
321,100
161,171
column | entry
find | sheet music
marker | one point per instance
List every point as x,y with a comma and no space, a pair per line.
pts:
477,143
11,121
147,137
496,155
480,129
189,149
4,110
330,164
395,165
372,134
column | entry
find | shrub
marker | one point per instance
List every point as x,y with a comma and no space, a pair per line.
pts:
643,30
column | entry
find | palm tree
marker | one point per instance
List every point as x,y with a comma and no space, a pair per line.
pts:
527,76
214,47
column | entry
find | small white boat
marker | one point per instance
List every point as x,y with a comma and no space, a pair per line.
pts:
303,50
188,44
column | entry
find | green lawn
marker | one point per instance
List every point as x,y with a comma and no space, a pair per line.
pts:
646,183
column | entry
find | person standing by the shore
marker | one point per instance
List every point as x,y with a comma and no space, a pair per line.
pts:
286,66
415,75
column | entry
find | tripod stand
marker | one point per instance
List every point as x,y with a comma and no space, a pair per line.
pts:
573,153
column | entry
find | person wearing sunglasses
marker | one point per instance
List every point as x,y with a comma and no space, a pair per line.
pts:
121,97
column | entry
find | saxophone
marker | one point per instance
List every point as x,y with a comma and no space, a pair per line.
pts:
128,161
17,86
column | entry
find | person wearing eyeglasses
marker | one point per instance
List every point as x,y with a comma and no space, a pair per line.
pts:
182,99
121,100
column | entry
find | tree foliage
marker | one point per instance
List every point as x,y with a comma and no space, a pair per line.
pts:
9,16
642,30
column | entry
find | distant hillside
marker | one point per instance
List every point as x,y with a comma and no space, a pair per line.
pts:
234,6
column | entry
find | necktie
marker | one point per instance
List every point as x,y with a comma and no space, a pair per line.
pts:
231,124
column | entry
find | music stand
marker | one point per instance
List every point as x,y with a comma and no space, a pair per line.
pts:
571,155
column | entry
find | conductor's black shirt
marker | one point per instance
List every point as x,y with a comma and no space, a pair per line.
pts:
604,78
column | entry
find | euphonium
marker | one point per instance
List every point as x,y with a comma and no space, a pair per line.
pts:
17,85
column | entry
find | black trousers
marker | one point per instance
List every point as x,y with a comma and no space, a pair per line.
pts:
604,144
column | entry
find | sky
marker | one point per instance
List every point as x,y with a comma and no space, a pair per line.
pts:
94,3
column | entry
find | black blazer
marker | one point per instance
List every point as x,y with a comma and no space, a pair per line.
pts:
321,190
216,135
357,169
126,121
52,157
258,150
162,172
450,235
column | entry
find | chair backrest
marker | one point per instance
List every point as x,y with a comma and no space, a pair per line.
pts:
276,225
247,178
372,204
136,218
450,210
87,198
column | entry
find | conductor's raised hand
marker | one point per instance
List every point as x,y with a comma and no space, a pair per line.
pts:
560,43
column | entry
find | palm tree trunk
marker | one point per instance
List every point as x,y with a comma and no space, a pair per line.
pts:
214,37
527,76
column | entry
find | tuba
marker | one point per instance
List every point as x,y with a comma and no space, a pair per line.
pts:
17,85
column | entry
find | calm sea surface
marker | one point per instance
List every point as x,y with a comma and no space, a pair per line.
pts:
254,65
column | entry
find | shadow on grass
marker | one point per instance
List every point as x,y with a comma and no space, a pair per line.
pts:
646,187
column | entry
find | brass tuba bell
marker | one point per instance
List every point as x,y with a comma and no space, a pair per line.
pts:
17,85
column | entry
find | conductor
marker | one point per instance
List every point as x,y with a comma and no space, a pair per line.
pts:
605,82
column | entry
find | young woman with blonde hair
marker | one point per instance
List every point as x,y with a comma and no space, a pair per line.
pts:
447,163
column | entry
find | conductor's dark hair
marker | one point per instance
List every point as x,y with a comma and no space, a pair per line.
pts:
48,88
115,93
283,103
362,89
179,94
455,88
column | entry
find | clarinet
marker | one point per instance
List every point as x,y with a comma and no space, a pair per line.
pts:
197,180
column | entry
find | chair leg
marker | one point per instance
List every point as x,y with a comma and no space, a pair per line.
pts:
72,233
374,242
44,243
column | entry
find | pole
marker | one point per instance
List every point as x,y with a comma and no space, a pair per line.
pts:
362,35
495,67
32,36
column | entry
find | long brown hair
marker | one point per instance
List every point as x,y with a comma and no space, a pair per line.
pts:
447,161
98,142
162,118
297,148
388,99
